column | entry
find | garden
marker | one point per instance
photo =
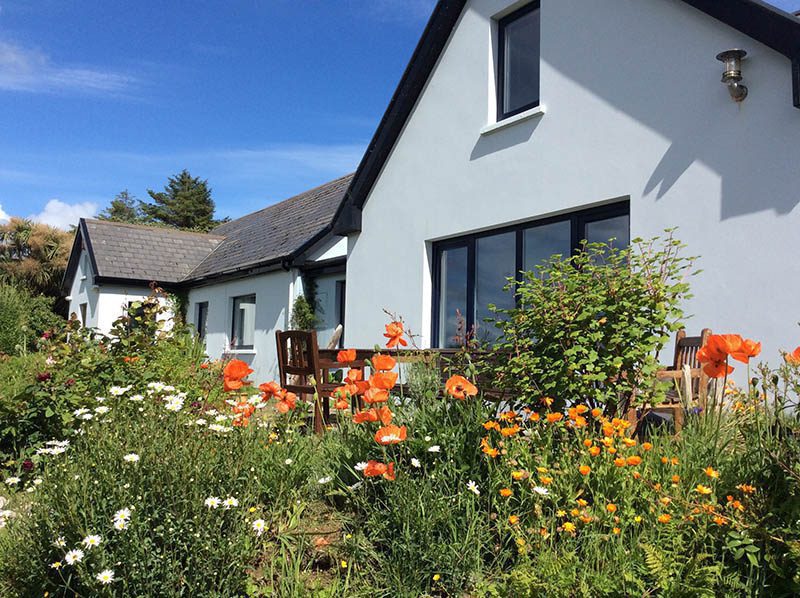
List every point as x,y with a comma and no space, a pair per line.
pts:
134,466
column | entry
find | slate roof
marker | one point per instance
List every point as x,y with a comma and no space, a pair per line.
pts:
148,253
277,232
142,254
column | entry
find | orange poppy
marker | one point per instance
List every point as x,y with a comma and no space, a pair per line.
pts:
376,395
611,507
204,366
633,460
747,349
355,375
270,389
390,434
594,451
370,415
383,380
793,358
619,462
554,417
383,363
584,469
459,387
240,422
394,332
237,369
510,431
286,402
341,403
346,355
376,468
244,409
714,355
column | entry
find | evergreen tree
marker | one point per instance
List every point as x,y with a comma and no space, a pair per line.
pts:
185,203
123,208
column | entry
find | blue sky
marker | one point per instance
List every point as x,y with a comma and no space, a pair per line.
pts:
263,98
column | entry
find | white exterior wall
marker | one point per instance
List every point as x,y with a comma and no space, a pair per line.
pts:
105,303
273,292
634,108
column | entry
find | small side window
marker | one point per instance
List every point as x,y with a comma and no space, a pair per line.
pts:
518,58
201,319
243,327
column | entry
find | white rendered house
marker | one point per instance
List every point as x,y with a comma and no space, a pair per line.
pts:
239,281
521,127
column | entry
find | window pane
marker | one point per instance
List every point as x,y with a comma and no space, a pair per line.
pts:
521,62
453,299
542,242
617,228
244,321
202,319
495,263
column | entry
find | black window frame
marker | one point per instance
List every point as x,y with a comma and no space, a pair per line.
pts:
578,221
501,60
235,342
200,322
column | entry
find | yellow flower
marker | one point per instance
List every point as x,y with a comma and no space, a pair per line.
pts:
582,502
711,472
637,519
518,475
542,469
545,480
343,564
513,519
611,507
506,492
437,577
574,512
703,489
616,531
520,542
251,510
560,513
664,518
665,500
569,527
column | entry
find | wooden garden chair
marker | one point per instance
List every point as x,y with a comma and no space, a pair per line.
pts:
684,365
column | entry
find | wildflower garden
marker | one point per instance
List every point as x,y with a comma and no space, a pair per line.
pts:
132,466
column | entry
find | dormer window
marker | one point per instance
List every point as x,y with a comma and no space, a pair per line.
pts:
518,61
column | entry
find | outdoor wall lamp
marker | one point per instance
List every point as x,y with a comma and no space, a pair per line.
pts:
732,75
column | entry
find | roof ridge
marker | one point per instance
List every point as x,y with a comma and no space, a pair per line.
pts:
152,227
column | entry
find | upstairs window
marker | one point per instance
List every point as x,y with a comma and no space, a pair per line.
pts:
244,322
518,61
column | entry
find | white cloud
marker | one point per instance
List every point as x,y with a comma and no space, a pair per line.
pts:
27,69
3,215
63,215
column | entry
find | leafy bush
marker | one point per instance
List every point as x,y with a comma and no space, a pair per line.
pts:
589,328
24,319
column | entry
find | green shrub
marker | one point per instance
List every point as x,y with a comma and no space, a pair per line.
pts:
24,319
590,327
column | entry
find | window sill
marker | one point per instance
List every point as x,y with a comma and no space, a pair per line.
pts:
241,351
512,120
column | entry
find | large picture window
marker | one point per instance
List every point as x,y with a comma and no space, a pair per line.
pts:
518,61
243,322
470,272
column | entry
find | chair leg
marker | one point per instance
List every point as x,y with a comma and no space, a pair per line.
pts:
677,418
319,425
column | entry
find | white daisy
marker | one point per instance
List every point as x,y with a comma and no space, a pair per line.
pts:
427,439
259,526
230,502
13,481
100,399
74,556
102,409
105,577
200,422
60,542
212,502
324,480
435,449
91,541
174,404
121,524
360,466
79,412
415,462
156,386
118,391
541,490
288,462
131,458
473,487
221,418
37,481
219,428
136,398
86,416
123,514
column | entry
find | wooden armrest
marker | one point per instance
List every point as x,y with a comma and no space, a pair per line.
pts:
677,374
